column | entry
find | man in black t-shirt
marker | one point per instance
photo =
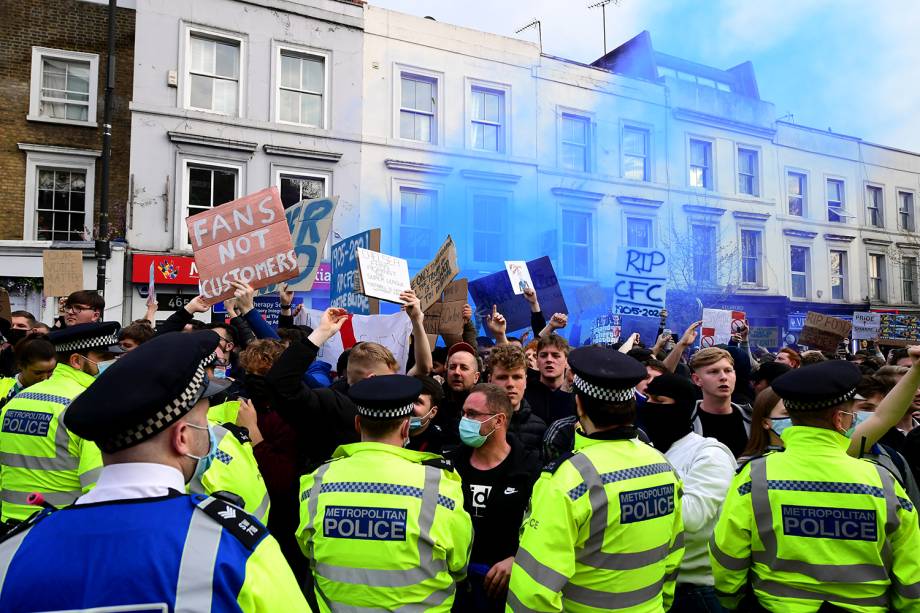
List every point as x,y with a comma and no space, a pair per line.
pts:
498,475
716,415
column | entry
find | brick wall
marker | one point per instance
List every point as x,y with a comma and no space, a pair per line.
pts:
74,26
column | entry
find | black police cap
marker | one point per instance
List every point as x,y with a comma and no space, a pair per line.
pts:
769,371
146,391
99,335
386,396
605,374
818,386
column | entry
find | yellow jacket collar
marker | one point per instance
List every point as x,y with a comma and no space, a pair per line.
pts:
352,449
795,437
582,440
65,371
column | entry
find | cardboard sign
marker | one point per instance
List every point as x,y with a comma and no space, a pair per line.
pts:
168,269
718,326
342,292
6,310
446,315
391,331
823,331
640,282
764,336
897,329
383,276
519,276
309,222
866,325
431,281
62,270
496,289
245,240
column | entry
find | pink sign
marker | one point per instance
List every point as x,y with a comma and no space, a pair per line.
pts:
323,277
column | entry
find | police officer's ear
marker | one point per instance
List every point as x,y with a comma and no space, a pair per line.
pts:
358,424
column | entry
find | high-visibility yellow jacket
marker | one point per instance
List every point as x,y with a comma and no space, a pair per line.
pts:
6,386
38,453
812,524
225,412
234,469
604,531
384,527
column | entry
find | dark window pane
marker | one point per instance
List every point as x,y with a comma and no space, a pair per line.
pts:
199,187
61,201
224,186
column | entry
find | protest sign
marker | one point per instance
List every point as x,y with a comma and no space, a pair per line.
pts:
62,271
323,277
764,336
269,307
446,315
607,330
647,327
391,331
309,222
519,276
496,289
342,292
719,325
823,331
383,276
430,281
246,240
866,325
6,310
898,329
640,282
151,287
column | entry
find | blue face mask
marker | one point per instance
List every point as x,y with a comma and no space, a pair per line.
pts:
469,431
858,418
204,461
417,422
780,424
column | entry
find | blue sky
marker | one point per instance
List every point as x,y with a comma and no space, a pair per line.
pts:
850,65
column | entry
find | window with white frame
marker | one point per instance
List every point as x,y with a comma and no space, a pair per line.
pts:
878,286
638,232
418,106
751,253
874,206
207,186
213,73
63,86
838,275
796,183
489,221
577,243
417,223
836,201
700,163
62,206
703,239
295,187
573,146
301,88
906,210
798,265
909,279
636,153
488,119
747,172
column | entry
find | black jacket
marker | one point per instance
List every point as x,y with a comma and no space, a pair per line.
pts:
528,428
549,405
323,418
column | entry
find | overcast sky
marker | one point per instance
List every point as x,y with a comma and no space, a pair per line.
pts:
853,66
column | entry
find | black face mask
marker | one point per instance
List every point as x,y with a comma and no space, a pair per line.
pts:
665,424
258,390
15,335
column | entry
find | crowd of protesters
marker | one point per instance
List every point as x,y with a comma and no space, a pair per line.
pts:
496,410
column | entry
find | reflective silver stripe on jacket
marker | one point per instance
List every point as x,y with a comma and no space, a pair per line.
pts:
782,590
195,585
727,561
539,572
55,499
263,507
829,573
612,600
63,460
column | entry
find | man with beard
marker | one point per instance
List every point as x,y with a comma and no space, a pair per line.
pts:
544,387
462,375
705,467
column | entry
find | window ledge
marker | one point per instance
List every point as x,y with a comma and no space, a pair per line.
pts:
753,288
68,122
58,150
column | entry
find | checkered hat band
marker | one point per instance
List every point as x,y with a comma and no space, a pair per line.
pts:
817,405
88,343
603,393
385,413
165,417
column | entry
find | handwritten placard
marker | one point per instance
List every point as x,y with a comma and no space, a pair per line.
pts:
309,222
823,331
383,276
446,315
245,240
519,276
640,282
436,275
866,325
342,292
62,270
764,336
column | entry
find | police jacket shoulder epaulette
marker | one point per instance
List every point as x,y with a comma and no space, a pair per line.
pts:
246,528
26,525
553,466
440,462
240,432
766,452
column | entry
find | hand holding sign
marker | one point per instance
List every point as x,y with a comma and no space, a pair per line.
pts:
412,306
329,325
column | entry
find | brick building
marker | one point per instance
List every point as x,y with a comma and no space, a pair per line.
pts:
51,110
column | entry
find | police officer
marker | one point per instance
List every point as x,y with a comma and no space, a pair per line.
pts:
811,527
382,526
135,542
39,453
605,527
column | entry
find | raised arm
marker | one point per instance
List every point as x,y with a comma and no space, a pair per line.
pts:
497,325
413,308
686,341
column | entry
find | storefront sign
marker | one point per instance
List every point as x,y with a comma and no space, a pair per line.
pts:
167,269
